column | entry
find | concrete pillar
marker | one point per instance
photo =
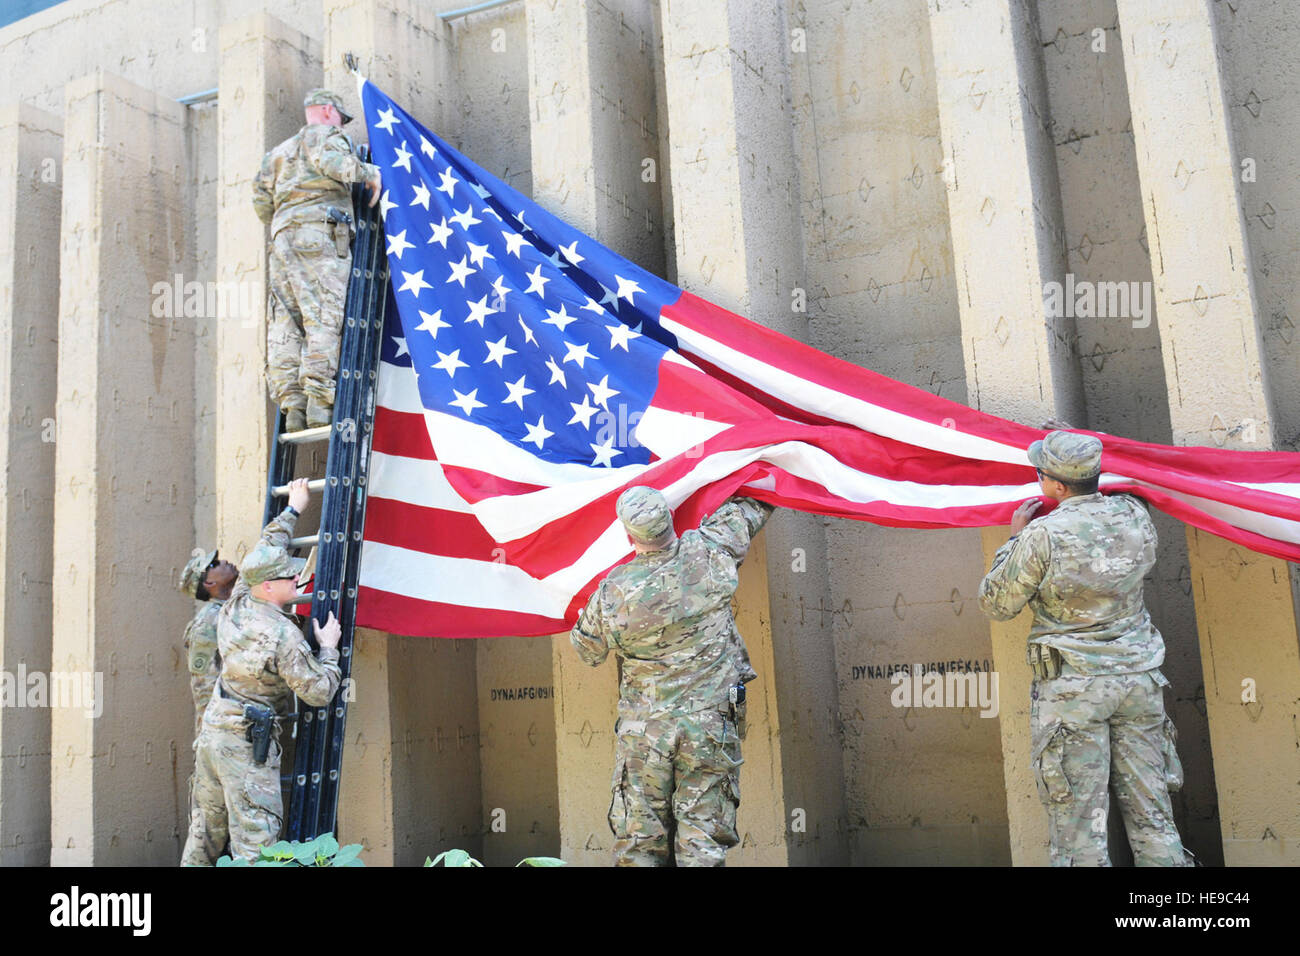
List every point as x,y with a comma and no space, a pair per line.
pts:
421,744
516,712
266,70
123,519
31,153
737,237
592,126
1003,194
411,786
1218,395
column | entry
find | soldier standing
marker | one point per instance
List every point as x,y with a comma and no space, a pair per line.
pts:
302,192
1098,706
265,660
208,579
667,616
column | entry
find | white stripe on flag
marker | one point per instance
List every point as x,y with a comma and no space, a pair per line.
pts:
415,481
830,403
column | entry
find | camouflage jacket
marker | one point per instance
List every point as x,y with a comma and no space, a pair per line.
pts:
201,653
305,175
667,614
264,657
1080,570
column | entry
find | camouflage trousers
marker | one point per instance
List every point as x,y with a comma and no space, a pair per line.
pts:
309,281
201,687
676,787
231,797
1089,733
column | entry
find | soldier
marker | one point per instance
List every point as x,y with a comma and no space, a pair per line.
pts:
208,579
302,192
264,661
1098,703
667,615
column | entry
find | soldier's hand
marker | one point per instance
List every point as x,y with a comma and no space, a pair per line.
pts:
299,495
375,186
328,636
1024,514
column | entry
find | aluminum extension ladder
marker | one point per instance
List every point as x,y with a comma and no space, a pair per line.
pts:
314,783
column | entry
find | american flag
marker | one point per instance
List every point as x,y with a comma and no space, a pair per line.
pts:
529,375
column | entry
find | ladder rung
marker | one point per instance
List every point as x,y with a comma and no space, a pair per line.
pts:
304,541
316,484
319,433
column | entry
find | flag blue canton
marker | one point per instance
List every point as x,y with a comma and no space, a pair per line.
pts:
512,319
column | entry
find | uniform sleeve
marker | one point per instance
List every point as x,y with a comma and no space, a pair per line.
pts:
334,158
1019,567
201,641
280,530
264,190
732,527
588,635
313,680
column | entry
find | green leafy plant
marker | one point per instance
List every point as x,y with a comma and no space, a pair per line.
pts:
461,858
322,851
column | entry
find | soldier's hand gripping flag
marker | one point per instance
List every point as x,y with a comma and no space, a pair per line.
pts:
536,374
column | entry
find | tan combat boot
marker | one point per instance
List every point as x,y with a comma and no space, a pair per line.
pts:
295,419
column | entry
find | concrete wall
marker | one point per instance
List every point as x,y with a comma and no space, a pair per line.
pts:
31,153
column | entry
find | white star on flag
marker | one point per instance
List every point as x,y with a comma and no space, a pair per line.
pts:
449,183
517,392
449,362
561,320
460,271
465,219
577,353
571,252
421,196
467,402
432,323
497,351
514,242
397,244
626,287
414,283
582,412
602,392
440,232
605,453
536,281
538,433
387,119
478,311
403,158
619,335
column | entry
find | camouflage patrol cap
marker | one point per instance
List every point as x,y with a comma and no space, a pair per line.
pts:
1067,456
323,97
195,569
266,562
645,514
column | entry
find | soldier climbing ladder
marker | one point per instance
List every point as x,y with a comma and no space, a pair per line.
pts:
314,785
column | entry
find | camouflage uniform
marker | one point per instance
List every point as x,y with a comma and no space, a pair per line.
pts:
265,661
200,639
298,183
667,615
1080,570
203,657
